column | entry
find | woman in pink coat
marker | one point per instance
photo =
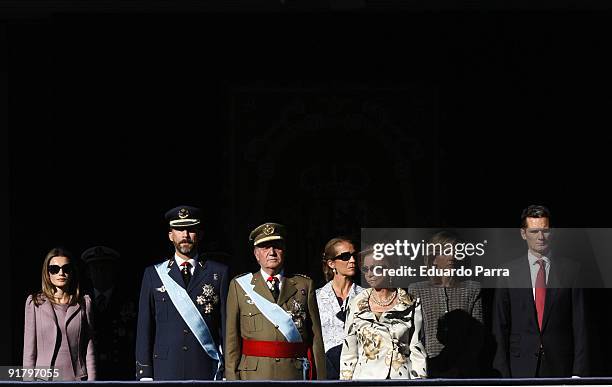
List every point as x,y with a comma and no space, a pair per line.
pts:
58,328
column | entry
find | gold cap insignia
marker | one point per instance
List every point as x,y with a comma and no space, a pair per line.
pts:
268,229
183,213
267,232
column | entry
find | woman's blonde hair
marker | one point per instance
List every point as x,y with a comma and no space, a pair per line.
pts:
441,238
329,253
48,289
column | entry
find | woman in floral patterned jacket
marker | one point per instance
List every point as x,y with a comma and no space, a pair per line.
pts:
382,331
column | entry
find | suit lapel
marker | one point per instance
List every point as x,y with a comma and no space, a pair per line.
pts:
328,297
72,311
175,273
288,289
47,307
523,277
527,295
551,296
522,284
551,290
198,276
261,287
366,313
72,329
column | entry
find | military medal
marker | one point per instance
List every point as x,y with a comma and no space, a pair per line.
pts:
297,313
208,298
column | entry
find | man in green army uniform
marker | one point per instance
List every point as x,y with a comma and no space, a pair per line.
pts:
273,326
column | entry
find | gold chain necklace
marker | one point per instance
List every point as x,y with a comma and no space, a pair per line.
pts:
384,302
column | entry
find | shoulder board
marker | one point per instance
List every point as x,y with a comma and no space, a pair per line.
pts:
302,275
243,274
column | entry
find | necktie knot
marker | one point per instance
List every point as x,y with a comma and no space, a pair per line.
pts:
275,291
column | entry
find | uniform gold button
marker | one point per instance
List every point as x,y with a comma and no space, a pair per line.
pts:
250,314
276,326
141,371
185,331
155,356
277,360
184,348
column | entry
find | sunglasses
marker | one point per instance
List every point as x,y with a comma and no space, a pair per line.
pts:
347,255
366,269
55,269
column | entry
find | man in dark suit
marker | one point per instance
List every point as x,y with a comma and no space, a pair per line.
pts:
538,317
114,312
181,317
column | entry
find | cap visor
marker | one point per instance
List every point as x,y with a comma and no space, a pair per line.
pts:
184,222
268,238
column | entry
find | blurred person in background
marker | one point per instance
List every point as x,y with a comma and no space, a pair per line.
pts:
114,310
453,341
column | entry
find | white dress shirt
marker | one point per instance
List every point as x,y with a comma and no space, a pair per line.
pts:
279,276
192,261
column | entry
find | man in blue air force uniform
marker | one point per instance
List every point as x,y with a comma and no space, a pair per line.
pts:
181,317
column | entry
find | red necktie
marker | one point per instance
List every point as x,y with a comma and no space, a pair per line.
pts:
274,289
540,291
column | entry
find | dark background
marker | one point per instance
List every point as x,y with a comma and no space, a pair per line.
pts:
323,118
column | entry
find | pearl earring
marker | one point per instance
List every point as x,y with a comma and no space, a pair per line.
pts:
334,270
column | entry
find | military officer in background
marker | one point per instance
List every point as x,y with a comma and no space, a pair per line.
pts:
181,318
114,312
273,326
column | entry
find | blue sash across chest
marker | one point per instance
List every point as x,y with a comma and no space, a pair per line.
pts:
189,312
273,312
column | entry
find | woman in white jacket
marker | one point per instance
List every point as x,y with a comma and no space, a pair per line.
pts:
382,331
340,261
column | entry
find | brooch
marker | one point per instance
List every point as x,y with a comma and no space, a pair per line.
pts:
208,298
297,313
161,290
